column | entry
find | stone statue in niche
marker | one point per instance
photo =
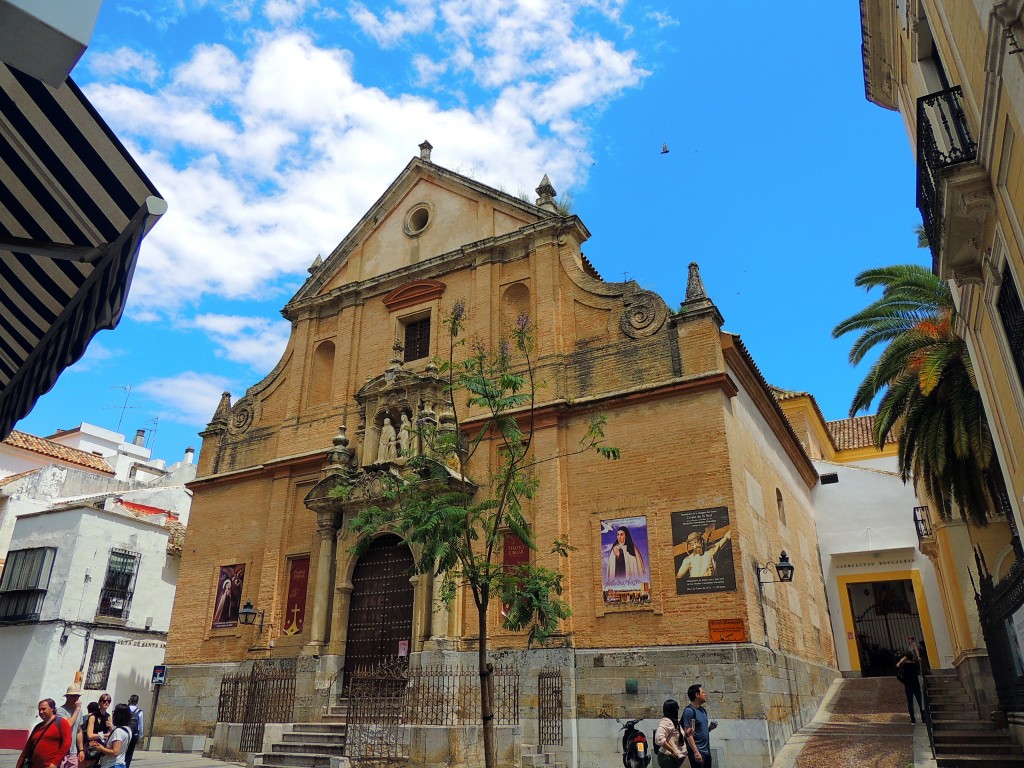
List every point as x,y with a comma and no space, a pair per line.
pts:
405,437
387,449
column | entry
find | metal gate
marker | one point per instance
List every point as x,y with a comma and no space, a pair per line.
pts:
883,630
550,707
380,611
262,696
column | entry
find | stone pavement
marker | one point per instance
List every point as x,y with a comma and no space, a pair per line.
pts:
141,760
861,722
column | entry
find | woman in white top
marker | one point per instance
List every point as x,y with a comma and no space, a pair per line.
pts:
669,737
114,750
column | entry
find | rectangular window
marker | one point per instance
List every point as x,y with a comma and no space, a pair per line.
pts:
119,584
417,339
24,582
99,665
1011,313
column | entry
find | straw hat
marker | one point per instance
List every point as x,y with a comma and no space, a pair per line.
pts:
74,690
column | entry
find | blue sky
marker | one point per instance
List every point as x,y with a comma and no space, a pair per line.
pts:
270,126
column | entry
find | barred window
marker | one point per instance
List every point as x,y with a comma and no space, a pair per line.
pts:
1011,313
99,664
417,339
24,582
119,584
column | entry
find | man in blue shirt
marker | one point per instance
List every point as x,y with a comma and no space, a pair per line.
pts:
697,716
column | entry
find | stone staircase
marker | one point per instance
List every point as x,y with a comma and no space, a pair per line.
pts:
535,756
962,739
309,745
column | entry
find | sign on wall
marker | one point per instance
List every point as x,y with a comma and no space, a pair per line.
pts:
295,606
702,551
626,564
726,631
229,595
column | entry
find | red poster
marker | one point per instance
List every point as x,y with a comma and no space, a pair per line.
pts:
295,608
513,552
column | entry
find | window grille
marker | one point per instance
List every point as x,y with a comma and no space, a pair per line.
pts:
99,664
1011,313
24,582
417,339
119,584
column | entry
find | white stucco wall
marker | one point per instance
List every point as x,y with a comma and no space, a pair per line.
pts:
34,662
865,525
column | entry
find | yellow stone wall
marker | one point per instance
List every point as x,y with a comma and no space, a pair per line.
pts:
697,428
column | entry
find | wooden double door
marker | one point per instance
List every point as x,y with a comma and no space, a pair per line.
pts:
381,607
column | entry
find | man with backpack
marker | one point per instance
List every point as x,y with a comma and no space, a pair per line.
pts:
136,725
907,670
696,716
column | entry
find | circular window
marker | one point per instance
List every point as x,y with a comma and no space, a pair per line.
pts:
418,219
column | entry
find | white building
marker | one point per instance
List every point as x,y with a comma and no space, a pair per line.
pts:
88,586
880,587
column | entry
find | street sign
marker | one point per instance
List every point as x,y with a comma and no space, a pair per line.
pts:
159,674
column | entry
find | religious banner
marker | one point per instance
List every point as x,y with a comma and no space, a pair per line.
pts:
626,570
514,552
229,595
702,551
295,606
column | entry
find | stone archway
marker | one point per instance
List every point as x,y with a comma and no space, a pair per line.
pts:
380,615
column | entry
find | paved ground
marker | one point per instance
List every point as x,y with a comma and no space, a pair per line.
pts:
861,722
141,760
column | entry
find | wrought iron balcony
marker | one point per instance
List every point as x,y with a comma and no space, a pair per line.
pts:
115,603
943,140
922,523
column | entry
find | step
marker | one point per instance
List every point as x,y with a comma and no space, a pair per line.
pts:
314,738
318,728
535,759
980,761
325,750
939,724
953,750
950,739
294,760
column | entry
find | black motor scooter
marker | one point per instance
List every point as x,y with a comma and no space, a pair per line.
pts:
636,752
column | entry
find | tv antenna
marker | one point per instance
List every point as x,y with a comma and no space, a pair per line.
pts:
124,406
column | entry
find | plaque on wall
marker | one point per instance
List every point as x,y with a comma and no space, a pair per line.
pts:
702,551
726,631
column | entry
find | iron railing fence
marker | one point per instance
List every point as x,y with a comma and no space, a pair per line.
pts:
922,523
263,695
551,707
997,604
943,140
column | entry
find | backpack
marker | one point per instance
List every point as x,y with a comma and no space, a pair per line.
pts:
135,723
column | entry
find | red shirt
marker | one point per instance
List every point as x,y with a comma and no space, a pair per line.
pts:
52,741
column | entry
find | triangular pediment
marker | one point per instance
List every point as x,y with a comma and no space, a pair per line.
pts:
427,211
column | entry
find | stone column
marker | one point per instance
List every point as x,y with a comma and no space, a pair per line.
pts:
325,531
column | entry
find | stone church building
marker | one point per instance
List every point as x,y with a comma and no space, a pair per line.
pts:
672,542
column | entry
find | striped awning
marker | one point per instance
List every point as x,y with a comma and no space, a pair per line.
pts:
74,207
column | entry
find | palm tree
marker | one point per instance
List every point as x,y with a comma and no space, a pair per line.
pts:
929,391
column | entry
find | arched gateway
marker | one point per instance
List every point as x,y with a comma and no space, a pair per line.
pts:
381,607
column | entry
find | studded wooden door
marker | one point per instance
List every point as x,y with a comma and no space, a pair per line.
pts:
380,611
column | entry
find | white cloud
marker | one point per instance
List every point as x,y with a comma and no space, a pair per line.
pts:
663,20
393,25
95,355
269,156
187,398
255,341
125,64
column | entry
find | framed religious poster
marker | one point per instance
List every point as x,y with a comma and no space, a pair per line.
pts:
295,606
702,551
625,561
229,595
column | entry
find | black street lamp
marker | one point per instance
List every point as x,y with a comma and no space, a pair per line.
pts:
247,615
783,569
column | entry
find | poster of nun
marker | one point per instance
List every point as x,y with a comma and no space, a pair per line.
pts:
702,551
229,595
626,566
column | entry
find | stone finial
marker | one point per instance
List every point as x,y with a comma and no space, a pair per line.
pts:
425,148
546,192
340,454
317,263
694,285
223,412
697,304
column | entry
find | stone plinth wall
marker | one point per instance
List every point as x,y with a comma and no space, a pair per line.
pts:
758,696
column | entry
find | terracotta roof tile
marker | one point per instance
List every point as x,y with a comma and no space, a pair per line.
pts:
145,509
50,449
4,481
856,432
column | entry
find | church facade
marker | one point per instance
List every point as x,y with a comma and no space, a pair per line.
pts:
713,485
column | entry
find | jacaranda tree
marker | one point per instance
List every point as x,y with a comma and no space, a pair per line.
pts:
455,521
